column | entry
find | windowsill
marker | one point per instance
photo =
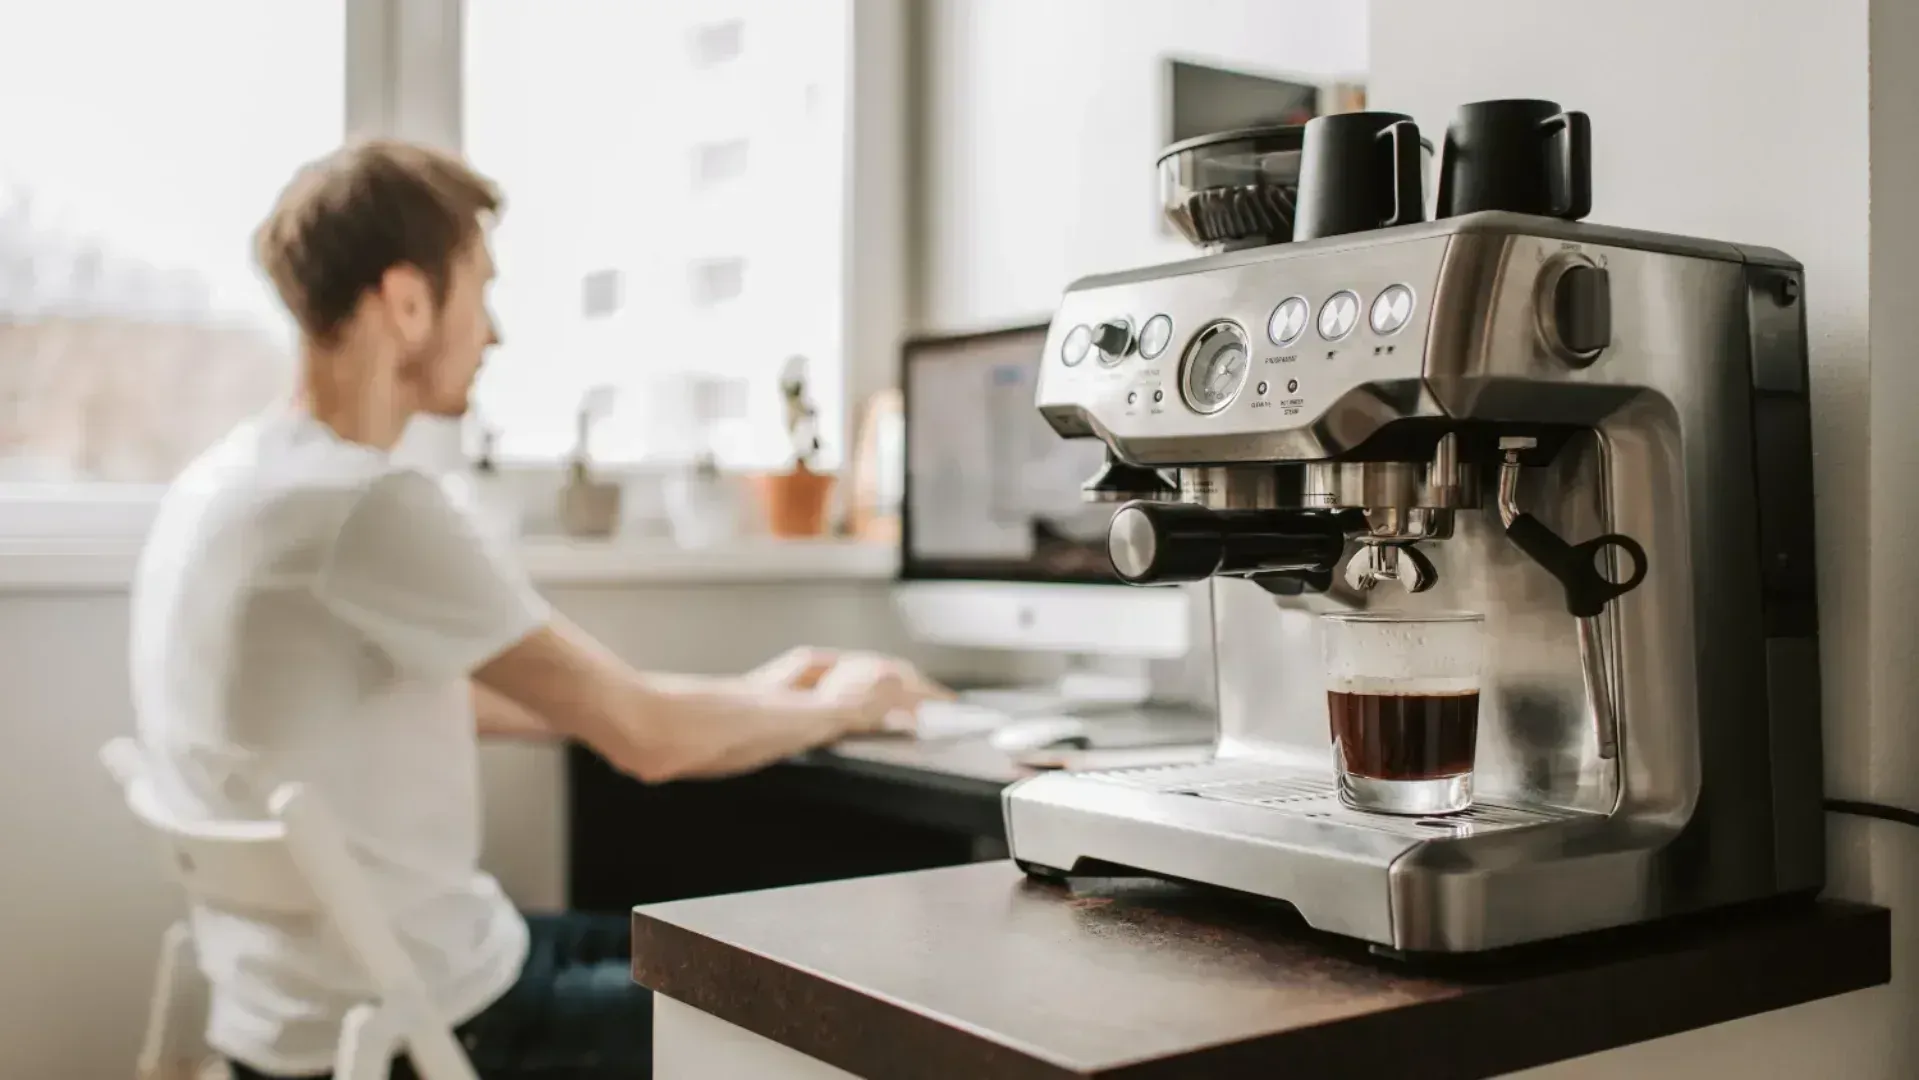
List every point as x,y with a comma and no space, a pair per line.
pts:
563,561
54,566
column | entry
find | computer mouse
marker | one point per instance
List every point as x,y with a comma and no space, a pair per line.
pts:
1041,733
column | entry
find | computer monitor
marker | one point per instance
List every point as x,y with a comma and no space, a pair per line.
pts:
998,549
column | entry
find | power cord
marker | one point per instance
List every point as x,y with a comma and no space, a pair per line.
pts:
1898,814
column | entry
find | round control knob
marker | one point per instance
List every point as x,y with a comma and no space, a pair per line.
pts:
1574,305
1113,339
1149,547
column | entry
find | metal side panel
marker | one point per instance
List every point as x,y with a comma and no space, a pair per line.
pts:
1456,900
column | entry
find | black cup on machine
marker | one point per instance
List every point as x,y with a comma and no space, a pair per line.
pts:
1359,171
1524,156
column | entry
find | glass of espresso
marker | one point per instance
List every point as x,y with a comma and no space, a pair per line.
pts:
1403,691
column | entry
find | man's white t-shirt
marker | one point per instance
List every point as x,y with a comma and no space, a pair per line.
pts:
306,610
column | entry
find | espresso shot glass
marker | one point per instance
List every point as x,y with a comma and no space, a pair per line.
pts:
1402,692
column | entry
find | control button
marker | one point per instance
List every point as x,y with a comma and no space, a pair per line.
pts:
1338,315
1288,320
1073,349
1133,543
1154,336
1573,304
1292,386
1159,395
1392,309
1261,388
1132,398
1114,339
1582,309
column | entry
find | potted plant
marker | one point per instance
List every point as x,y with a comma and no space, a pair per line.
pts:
795,501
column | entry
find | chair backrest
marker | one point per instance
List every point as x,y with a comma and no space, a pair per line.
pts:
298,863
243,866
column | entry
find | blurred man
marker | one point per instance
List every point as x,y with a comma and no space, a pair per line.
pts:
307,610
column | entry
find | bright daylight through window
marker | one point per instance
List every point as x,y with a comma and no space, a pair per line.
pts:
673,173
134,165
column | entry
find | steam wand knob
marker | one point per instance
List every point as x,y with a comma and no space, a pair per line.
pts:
1576,566
1588,590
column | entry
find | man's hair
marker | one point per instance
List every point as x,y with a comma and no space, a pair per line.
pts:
348,218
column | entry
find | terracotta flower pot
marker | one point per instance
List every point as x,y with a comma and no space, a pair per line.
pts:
794,502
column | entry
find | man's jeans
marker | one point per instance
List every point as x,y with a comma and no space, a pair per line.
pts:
574,1014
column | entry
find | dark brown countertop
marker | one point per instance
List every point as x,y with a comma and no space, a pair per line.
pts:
973,971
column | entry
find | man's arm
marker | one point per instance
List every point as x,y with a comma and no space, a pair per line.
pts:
409,573
666,727
498,715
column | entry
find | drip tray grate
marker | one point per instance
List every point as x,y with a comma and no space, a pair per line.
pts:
1300,793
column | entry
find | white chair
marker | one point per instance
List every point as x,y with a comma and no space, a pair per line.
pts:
296,864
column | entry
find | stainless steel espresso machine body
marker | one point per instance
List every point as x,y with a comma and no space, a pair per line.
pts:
1598,438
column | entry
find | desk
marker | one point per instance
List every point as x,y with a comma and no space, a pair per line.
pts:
973,971
865,806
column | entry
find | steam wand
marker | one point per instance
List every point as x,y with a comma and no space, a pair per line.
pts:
1588,590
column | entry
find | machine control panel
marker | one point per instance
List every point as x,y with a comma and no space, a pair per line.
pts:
1240,348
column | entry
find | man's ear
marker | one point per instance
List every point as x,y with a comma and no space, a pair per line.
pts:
407,296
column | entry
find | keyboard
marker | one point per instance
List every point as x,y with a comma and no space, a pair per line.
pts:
958,719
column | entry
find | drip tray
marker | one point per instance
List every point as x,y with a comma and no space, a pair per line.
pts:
1304,794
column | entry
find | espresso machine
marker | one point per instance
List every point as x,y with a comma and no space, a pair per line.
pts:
1597,437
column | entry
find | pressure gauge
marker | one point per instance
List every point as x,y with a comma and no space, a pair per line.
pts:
1215,367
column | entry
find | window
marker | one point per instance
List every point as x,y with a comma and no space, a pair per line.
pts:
677,173
674,172
140,143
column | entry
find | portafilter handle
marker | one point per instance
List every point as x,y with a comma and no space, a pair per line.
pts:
1155,543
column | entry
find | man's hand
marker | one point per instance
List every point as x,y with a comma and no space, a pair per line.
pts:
868,691
875,693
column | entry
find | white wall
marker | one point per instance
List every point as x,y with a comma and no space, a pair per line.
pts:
1041,122
82,896
1692,105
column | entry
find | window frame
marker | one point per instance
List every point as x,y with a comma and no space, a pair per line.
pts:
404,78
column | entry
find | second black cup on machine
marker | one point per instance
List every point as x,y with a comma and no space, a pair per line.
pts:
1520,155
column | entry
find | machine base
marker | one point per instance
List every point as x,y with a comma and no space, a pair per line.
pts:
1491,876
